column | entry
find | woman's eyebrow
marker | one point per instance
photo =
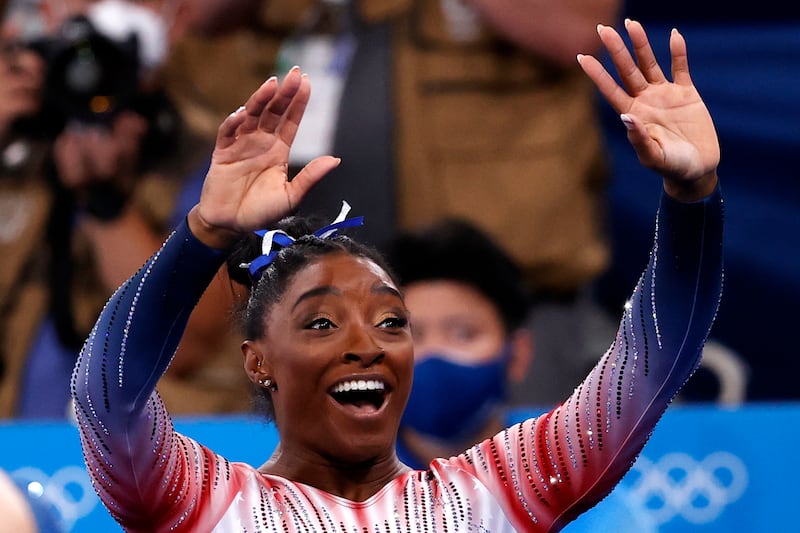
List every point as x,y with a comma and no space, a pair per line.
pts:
316,291
384,288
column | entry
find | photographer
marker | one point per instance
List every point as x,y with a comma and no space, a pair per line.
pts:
88,182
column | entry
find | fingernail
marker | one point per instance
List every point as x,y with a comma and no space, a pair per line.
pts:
627,21
627,121
240,108
599,28
579,58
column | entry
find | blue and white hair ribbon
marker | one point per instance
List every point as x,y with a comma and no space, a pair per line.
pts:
279,238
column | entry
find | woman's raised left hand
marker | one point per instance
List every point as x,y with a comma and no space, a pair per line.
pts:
668,123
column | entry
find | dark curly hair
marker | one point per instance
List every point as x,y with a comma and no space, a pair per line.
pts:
457,250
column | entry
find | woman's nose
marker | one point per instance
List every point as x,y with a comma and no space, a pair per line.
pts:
363,348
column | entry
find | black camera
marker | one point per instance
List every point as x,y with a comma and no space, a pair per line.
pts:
89,77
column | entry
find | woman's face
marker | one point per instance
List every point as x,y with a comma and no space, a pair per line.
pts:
454,319
338,347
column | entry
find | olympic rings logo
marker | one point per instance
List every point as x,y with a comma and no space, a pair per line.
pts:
69,490
679,485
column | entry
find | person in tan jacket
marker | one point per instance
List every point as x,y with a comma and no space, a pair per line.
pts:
79,213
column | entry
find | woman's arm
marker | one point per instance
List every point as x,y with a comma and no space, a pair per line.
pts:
551,469
146,474
129,443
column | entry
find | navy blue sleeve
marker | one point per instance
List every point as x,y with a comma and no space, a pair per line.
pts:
132,452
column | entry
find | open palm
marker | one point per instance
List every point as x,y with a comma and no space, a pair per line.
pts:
668,124
247,186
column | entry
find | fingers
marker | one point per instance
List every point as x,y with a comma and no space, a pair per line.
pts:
226,133
84,157
128,131
680,60
273,113
311,174
256,104
608,87
647,148
69,159
287,129
272,106
637,76
645,58
101,155
629,72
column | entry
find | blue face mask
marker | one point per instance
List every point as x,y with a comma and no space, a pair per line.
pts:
449,400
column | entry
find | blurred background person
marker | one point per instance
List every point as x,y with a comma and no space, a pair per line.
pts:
93,163
468,303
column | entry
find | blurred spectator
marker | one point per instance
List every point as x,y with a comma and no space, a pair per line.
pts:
437,58
468,303
88,186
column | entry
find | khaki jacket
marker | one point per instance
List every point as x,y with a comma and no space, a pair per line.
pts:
483,130
24,205
218,386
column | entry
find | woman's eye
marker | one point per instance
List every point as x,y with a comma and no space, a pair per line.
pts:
393,322
320,323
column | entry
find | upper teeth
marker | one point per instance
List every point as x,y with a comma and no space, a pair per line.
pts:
359,384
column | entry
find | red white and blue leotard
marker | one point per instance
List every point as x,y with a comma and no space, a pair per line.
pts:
534,476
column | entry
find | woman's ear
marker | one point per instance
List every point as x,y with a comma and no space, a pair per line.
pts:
255,364
521,354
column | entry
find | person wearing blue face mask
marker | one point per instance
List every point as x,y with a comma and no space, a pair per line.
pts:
470,338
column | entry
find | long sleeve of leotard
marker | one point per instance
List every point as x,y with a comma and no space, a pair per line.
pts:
136,461
548,470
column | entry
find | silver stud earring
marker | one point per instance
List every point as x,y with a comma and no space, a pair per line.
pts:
267,384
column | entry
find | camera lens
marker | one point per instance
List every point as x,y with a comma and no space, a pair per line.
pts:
90,76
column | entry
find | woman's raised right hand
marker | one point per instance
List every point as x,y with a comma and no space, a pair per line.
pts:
247,186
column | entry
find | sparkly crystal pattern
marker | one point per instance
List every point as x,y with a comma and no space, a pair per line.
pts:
534,476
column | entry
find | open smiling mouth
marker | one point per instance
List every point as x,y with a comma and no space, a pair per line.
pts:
363,395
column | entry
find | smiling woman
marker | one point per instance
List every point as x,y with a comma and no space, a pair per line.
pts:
339,322
328,344
304,302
